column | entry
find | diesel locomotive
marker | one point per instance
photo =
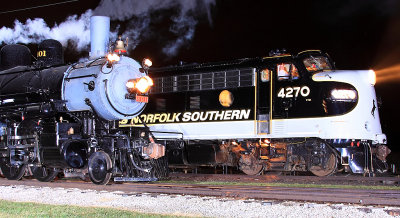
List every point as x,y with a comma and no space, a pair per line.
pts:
282,112
59,118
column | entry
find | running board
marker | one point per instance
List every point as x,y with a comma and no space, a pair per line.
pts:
134,179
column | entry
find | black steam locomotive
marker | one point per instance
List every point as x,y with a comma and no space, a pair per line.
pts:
281,112
58,118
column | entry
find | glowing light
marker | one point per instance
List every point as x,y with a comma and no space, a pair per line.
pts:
149,80
113,57
343,94
10,100
144,84
146,63
226,98
70,131
130,84
372,77
389,74
265,143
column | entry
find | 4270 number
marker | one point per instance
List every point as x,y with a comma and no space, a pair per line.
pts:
290,92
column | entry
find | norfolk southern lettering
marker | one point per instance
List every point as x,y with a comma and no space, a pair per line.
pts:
184,117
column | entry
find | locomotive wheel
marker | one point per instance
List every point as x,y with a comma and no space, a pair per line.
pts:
100,166
44,174
250,165
329,168
12,172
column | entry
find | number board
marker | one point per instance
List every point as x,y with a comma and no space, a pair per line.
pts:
295,91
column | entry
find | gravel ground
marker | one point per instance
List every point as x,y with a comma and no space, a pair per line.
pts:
188,205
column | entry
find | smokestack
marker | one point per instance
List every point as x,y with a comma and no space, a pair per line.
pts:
99,36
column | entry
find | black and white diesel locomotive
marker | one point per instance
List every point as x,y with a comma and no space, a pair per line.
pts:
60,118
282,112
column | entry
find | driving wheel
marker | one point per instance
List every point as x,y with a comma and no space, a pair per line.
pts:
44,174
100,168
12,172
328,169
250,165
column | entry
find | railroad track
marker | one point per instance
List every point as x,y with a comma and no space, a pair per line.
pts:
336,179
324,195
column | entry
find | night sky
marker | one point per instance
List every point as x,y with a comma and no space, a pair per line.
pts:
358,34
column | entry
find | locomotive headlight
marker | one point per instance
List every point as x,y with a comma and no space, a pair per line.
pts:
371,77
344,95
146,63
113,57
144,84
130,84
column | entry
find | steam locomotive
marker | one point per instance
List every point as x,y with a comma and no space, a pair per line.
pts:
282,112
64,118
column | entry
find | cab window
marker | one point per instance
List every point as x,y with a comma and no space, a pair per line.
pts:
317,63
287,71
264,75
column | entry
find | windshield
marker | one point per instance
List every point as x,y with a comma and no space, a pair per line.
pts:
317,63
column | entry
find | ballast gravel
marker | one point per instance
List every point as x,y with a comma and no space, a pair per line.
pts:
186,205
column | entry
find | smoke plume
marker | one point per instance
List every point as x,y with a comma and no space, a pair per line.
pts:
183,21
76,28
137,14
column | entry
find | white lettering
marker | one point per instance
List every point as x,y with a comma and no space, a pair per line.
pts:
227,115
135,120
168,120
212,113
164,118
186,117
219,115
281,93
176,117
149,118
305,91
195,116
235,115
204,116
288,92
198,116
156,117
244,114
297,89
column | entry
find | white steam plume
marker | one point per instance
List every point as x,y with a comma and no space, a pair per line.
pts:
183,26
76,28
137,13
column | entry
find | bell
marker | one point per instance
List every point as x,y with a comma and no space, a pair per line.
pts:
119,46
